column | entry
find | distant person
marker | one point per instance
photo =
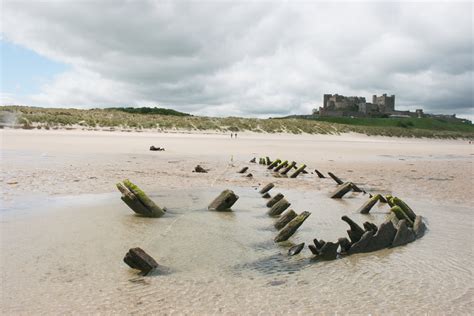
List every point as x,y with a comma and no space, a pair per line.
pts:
231,135
235,135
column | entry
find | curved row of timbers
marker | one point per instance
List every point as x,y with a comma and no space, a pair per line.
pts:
402,225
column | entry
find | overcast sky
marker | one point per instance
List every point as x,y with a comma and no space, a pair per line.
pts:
236,58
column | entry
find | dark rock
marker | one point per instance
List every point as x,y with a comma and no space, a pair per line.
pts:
404,234
137,258
295,249
199,169
153,148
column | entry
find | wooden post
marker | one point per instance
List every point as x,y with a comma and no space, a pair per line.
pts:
342,190
279,207
154,210
281,165
274,199
267,161
243,170
355,188
419,227
267,188
298,171
285,219
137,258
338,181
397,210
274,164
289,167
224,201
291,227
406,209
319,173
367,206
132,201
356,232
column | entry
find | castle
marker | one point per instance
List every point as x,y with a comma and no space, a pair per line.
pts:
339,105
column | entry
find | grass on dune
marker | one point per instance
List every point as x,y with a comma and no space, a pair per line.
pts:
33,117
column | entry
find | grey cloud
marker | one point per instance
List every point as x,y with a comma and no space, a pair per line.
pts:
270,58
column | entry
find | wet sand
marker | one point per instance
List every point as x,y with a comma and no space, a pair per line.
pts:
64,229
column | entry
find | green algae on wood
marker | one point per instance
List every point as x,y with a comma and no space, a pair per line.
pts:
132,201
397,210
404,207
274,164
298,171
288,168
291,227
367,206
154,210
281,165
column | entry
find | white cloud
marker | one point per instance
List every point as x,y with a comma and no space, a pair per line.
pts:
249,59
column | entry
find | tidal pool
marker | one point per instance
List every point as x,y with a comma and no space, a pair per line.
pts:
64,254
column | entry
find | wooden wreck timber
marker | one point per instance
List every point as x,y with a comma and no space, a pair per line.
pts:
243,170
367,206
224,201
324,250
373,241
335,178
266,195
298,171
341,190
405,208
279,207
288,168
253,160
267,188
291,227
400,214
274,200
285,219
199,169
404,234
267,161
320,175
355,232
137,258
138,201
274,164
281,165
132,200
419,227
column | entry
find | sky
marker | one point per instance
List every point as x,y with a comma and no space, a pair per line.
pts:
230,58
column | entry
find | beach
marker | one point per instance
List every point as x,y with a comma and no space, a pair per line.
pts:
64,229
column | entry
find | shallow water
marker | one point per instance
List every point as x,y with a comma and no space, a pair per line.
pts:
64,254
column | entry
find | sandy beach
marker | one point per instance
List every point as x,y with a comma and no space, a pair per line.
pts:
64,229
